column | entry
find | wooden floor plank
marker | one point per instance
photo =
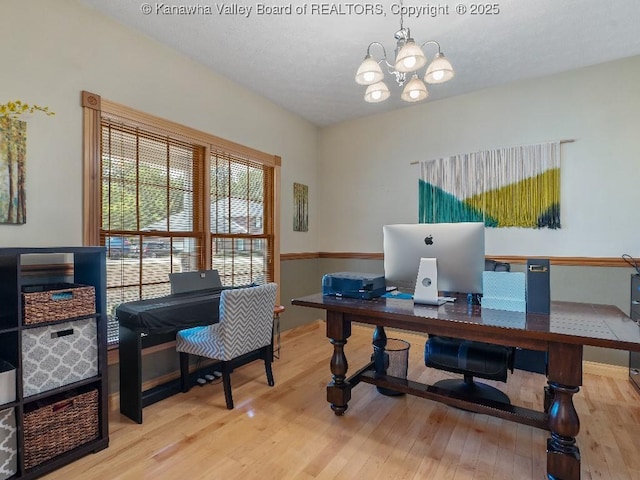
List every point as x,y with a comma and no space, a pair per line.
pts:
289,431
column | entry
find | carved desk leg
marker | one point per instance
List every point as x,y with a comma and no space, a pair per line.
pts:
339,390
564,378
548,398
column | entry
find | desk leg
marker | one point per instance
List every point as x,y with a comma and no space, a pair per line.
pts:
564,378
339,390
130,360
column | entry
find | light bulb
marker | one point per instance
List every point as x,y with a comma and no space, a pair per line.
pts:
378,92
439,71
410,57
409,62
369,76
415,90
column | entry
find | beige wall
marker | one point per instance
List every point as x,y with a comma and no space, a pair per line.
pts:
51,51
369,182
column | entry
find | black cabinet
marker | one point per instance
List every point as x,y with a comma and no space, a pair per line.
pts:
22,345
634,313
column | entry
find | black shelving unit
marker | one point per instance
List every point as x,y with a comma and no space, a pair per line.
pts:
88,268
634,313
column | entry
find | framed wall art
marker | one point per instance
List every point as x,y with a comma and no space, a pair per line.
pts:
300,207
13,152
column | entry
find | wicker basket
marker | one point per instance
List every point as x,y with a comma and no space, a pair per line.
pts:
58,427
57,301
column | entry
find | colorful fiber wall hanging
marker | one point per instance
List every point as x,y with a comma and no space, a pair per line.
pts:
505,187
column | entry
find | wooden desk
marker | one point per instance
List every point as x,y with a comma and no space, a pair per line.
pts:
562,334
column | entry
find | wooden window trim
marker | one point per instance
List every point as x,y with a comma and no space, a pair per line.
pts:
95,108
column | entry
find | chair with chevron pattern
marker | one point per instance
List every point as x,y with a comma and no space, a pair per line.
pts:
243,334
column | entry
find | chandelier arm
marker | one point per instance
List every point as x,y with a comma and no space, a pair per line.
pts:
384,51
390,67
432,42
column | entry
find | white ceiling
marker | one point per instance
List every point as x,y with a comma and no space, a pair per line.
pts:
306,62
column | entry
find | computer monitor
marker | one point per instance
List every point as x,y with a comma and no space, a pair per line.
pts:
458,248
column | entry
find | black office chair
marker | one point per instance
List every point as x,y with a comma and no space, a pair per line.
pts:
471,359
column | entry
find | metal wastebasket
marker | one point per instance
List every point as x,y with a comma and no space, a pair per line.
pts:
393,360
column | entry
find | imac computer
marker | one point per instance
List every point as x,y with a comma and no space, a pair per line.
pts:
458,250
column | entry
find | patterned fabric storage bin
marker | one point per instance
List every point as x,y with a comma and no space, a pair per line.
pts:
58,425
8,444
57,355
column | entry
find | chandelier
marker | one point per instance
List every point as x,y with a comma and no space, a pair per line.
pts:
409,59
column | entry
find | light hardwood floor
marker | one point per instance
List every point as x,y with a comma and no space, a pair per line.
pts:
290,432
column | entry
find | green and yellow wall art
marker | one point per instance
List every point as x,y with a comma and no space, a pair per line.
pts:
503,187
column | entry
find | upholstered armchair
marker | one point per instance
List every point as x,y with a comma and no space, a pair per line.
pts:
243,334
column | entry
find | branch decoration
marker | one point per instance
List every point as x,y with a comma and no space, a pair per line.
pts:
15,108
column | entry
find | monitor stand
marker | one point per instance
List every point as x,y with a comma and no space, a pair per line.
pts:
426,291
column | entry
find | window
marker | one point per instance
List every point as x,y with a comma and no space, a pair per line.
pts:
164,198
148,184
242,249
